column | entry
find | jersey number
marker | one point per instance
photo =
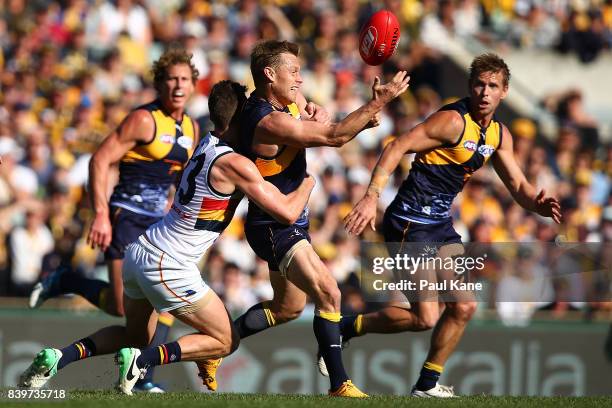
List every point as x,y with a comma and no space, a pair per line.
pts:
194,168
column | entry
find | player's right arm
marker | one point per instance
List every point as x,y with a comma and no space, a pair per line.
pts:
282,129
136,127
440,129
240,172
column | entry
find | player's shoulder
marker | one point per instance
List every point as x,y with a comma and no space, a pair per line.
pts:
447,121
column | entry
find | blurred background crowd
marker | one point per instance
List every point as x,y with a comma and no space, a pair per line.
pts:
71,70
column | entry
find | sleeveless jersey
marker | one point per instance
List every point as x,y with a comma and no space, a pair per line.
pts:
438,175
286,170
199,213
148,170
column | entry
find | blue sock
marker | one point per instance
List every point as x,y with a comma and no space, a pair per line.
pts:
350,326
164,323
430,373
90,289
78,350
327,331
158,355
256,319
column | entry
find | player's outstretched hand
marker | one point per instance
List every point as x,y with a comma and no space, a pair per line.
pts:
100,233
389,91
361,215
548,207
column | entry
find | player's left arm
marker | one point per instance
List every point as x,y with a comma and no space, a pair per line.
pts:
515,181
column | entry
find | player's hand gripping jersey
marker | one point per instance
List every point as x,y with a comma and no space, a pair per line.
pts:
148,170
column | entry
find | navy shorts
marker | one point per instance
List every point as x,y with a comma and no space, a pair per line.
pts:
272,241
127,227
396,230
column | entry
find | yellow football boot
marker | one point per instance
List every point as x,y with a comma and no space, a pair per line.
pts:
208,372
348,389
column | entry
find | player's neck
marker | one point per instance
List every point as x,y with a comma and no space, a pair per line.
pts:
482,121
176,114
268,95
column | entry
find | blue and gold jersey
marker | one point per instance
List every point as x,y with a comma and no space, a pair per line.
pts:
148,170
286,170
438,175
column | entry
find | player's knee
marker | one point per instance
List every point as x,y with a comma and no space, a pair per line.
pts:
229,342
329,293
463,310
427,322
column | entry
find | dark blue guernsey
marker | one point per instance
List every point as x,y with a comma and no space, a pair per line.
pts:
286,170
438,175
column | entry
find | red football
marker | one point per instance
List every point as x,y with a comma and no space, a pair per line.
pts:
379,37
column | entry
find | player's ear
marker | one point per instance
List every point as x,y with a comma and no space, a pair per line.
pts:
270,73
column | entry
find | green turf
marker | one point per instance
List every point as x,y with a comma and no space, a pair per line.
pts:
103,399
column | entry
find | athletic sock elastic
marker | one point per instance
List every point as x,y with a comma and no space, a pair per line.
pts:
327,331
258,318
158,355
78,350
351,326
430,373
164,323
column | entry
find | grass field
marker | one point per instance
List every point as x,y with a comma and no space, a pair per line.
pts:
95,399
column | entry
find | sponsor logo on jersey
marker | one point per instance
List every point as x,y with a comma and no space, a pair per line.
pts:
165,138
185,142
470,145
190,292
486,150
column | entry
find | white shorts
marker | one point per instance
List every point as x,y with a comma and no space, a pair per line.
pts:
150,273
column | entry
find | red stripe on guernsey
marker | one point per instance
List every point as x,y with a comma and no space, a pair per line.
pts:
165,354
214,204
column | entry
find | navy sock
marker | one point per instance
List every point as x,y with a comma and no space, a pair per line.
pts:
164,323
257,318
430,373
157,355
348,327
77,351
90,289
327,331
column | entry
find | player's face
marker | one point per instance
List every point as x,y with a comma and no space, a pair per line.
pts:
177,87
487,91
288,79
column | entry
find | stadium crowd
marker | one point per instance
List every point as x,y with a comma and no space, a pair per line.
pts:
71,70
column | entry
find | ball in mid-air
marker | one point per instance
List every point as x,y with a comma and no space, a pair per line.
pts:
379,37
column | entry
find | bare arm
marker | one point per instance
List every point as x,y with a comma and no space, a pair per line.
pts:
522,191
134,128
243,174
280,128
441,128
